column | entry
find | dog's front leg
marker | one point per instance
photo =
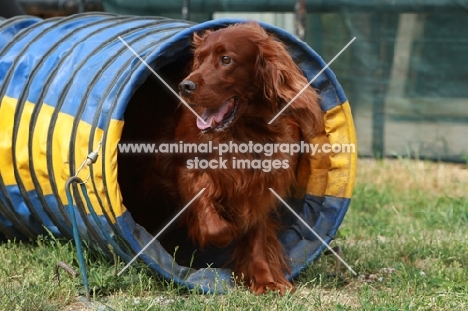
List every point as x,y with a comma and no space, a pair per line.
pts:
205,225
259,260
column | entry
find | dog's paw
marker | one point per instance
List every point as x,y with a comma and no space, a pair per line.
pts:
220,236
216,231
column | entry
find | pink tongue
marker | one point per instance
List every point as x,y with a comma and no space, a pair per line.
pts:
213,117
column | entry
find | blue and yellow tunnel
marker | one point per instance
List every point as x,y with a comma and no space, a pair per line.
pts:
70,86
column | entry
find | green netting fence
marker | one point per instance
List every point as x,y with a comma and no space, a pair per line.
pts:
405,75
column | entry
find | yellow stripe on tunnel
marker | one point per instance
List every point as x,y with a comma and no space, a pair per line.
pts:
7,113
339,127
60,145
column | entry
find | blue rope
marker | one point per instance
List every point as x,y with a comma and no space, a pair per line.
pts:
76,234
117,249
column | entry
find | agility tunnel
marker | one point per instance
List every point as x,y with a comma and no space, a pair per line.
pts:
73,86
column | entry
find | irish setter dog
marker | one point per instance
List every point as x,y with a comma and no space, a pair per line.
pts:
240,79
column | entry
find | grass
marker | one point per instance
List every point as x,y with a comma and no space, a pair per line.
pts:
405,234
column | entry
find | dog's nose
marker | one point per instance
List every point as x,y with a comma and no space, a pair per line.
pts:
186,87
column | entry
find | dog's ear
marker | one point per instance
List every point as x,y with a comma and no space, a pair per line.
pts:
267,76
284,81
199,39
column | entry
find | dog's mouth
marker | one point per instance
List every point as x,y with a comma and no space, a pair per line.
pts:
218,119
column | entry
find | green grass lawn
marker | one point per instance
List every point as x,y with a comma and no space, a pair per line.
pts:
406,235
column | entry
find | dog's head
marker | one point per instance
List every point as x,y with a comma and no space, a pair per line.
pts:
241,72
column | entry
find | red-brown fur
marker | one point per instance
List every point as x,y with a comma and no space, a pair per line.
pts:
237,204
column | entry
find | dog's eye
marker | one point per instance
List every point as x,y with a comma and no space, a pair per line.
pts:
226,60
